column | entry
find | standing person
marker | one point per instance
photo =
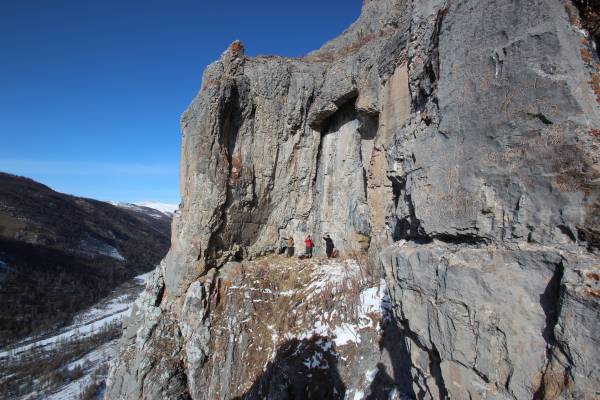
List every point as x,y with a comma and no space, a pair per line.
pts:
290,246
282,245
308,246
328,246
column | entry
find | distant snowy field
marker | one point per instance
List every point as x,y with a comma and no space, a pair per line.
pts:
166,208
152,206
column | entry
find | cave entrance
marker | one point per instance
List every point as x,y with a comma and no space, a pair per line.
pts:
341,179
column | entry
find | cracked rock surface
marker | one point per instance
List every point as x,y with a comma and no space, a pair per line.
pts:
452,143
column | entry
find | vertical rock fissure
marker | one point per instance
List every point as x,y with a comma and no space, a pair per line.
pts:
436,370
434,359
408,227
427,84
368,130
235,108
550,301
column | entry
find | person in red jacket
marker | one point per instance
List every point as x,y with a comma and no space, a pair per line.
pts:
308,246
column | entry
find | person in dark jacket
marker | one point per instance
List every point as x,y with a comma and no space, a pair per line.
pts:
282,245
290,246
328,246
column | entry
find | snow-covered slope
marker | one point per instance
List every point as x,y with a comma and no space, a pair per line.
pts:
61,254
152,208
64,364
165,208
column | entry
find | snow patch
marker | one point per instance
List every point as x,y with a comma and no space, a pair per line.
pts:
78,331
359,395
373,304
95,246
370,375
143,278
151,208
373,301
346,333
325,345
103,353
72,390
332,274
165,208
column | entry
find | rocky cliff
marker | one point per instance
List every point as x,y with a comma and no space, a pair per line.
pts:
452,145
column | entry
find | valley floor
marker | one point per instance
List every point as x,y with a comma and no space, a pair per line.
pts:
70,363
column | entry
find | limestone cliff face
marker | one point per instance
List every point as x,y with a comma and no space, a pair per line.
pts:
453,142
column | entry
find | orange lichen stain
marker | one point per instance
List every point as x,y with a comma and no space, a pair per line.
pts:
236,48
551,384
236,162
593,293
594,132
595,84
236,167
573,17
593,275
586,56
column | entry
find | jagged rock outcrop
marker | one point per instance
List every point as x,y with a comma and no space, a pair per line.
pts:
455,143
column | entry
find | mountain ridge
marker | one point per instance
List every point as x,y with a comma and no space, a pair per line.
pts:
53,242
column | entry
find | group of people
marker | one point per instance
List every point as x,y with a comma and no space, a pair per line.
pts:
287,246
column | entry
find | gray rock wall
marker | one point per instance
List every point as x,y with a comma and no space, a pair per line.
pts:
454,142
495,184
275,147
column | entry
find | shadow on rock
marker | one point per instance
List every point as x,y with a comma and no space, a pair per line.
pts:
398,384
302,369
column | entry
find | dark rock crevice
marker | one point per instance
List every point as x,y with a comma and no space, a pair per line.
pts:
550,302
461,239
408,227
543,118
427,84
436,370
160,295
408,367
589,12
395,343
556,375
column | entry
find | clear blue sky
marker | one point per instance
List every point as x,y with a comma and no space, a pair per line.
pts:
91,91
